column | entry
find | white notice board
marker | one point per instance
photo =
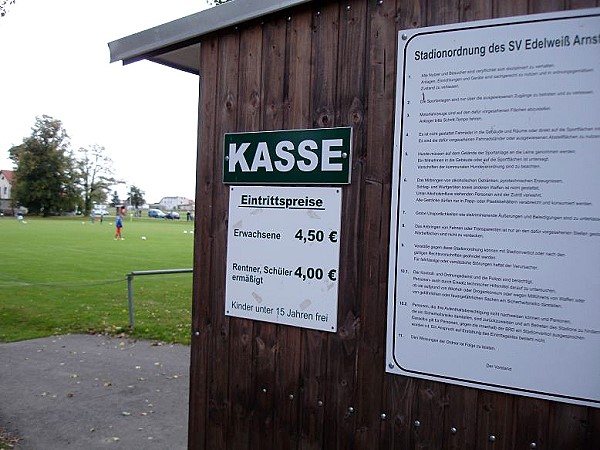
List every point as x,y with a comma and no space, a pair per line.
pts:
495,232
283,255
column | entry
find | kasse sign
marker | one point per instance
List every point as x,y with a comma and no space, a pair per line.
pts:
317,156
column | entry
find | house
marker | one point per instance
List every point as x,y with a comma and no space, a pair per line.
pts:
180,203
6,181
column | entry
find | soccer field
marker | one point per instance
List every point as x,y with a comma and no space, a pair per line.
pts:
67,275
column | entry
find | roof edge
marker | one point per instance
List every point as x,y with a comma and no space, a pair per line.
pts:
182,31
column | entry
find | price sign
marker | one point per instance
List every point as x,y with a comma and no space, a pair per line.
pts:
283,255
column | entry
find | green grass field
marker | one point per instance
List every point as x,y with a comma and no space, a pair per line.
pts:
67,275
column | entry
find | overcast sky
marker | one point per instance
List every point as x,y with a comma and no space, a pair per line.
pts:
54,60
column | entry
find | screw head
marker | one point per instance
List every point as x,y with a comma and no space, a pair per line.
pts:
404,37
383,416
492,438
417,423
453,430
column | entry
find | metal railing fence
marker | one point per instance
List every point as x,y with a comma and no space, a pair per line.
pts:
138,273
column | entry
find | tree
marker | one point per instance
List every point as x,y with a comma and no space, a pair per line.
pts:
45,175
136,197
115,199
95,174
4,6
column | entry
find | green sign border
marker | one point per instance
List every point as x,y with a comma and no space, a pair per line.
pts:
294,176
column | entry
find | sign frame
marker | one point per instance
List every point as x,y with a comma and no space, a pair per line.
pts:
318,156
295,279
399,276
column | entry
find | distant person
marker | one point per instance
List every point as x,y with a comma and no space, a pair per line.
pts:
92,217
119,225
189,216
20,217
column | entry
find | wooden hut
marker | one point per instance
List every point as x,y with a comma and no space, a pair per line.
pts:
294,64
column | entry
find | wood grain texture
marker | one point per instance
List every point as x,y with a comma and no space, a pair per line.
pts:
297,97
579,4
372,413
460,418
342,406
442,12
568,427
242,395
265,334
542,6
502,8
495,413
219,362
314,368
202,328
258,385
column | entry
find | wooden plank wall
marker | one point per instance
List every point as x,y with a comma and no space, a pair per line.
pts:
256,385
